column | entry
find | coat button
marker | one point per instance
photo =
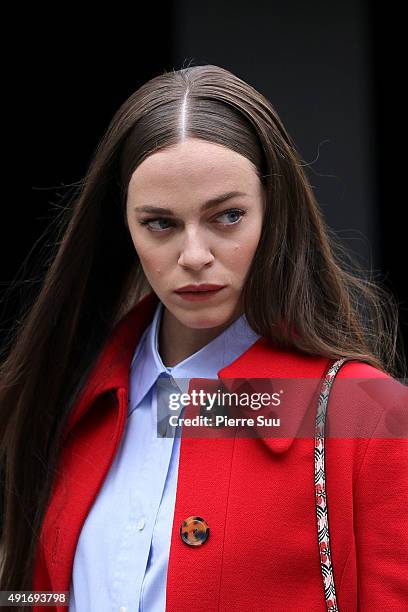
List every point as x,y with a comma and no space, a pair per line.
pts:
194,530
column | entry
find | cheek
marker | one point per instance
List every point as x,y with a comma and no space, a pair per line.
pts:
243,256
153,262
152,258
241,253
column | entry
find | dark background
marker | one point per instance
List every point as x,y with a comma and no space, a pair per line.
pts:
331,70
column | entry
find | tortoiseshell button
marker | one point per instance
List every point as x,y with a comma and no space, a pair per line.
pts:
194,530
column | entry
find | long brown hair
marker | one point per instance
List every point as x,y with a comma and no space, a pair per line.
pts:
300,276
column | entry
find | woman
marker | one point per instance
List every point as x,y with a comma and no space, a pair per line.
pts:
196,182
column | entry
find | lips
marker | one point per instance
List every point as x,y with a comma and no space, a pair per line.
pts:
205,287
198,294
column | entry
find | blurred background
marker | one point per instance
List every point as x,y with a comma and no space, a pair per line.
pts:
330,70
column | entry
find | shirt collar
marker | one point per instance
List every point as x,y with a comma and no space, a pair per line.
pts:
147,364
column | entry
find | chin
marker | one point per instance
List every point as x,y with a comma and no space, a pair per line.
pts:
204,319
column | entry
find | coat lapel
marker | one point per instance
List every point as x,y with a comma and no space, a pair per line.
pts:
265,367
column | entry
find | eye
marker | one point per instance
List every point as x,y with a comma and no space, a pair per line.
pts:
159,220
154,229
233,211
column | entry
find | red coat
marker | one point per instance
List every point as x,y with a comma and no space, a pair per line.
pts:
256,494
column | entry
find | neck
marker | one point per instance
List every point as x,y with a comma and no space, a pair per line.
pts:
177,342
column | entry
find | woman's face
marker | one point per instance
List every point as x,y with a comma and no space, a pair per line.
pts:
189,241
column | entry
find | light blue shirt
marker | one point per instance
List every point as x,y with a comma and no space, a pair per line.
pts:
122,553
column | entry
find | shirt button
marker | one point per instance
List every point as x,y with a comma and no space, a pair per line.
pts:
122,609
141,523
194,530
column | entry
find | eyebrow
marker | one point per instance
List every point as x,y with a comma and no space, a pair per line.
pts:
209,204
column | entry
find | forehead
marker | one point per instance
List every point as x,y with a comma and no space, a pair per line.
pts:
192,166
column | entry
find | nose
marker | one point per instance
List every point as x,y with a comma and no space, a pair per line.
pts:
195,252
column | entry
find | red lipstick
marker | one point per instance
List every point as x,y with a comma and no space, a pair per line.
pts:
203,291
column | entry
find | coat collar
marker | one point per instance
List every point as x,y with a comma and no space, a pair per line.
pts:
262,360
111,370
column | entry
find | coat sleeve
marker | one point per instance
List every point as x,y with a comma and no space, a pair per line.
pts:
381,519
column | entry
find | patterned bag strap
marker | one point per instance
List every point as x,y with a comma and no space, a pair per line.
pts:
320,488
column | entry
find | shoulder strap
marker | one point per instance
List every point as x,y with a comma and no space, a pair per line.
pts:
320,488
